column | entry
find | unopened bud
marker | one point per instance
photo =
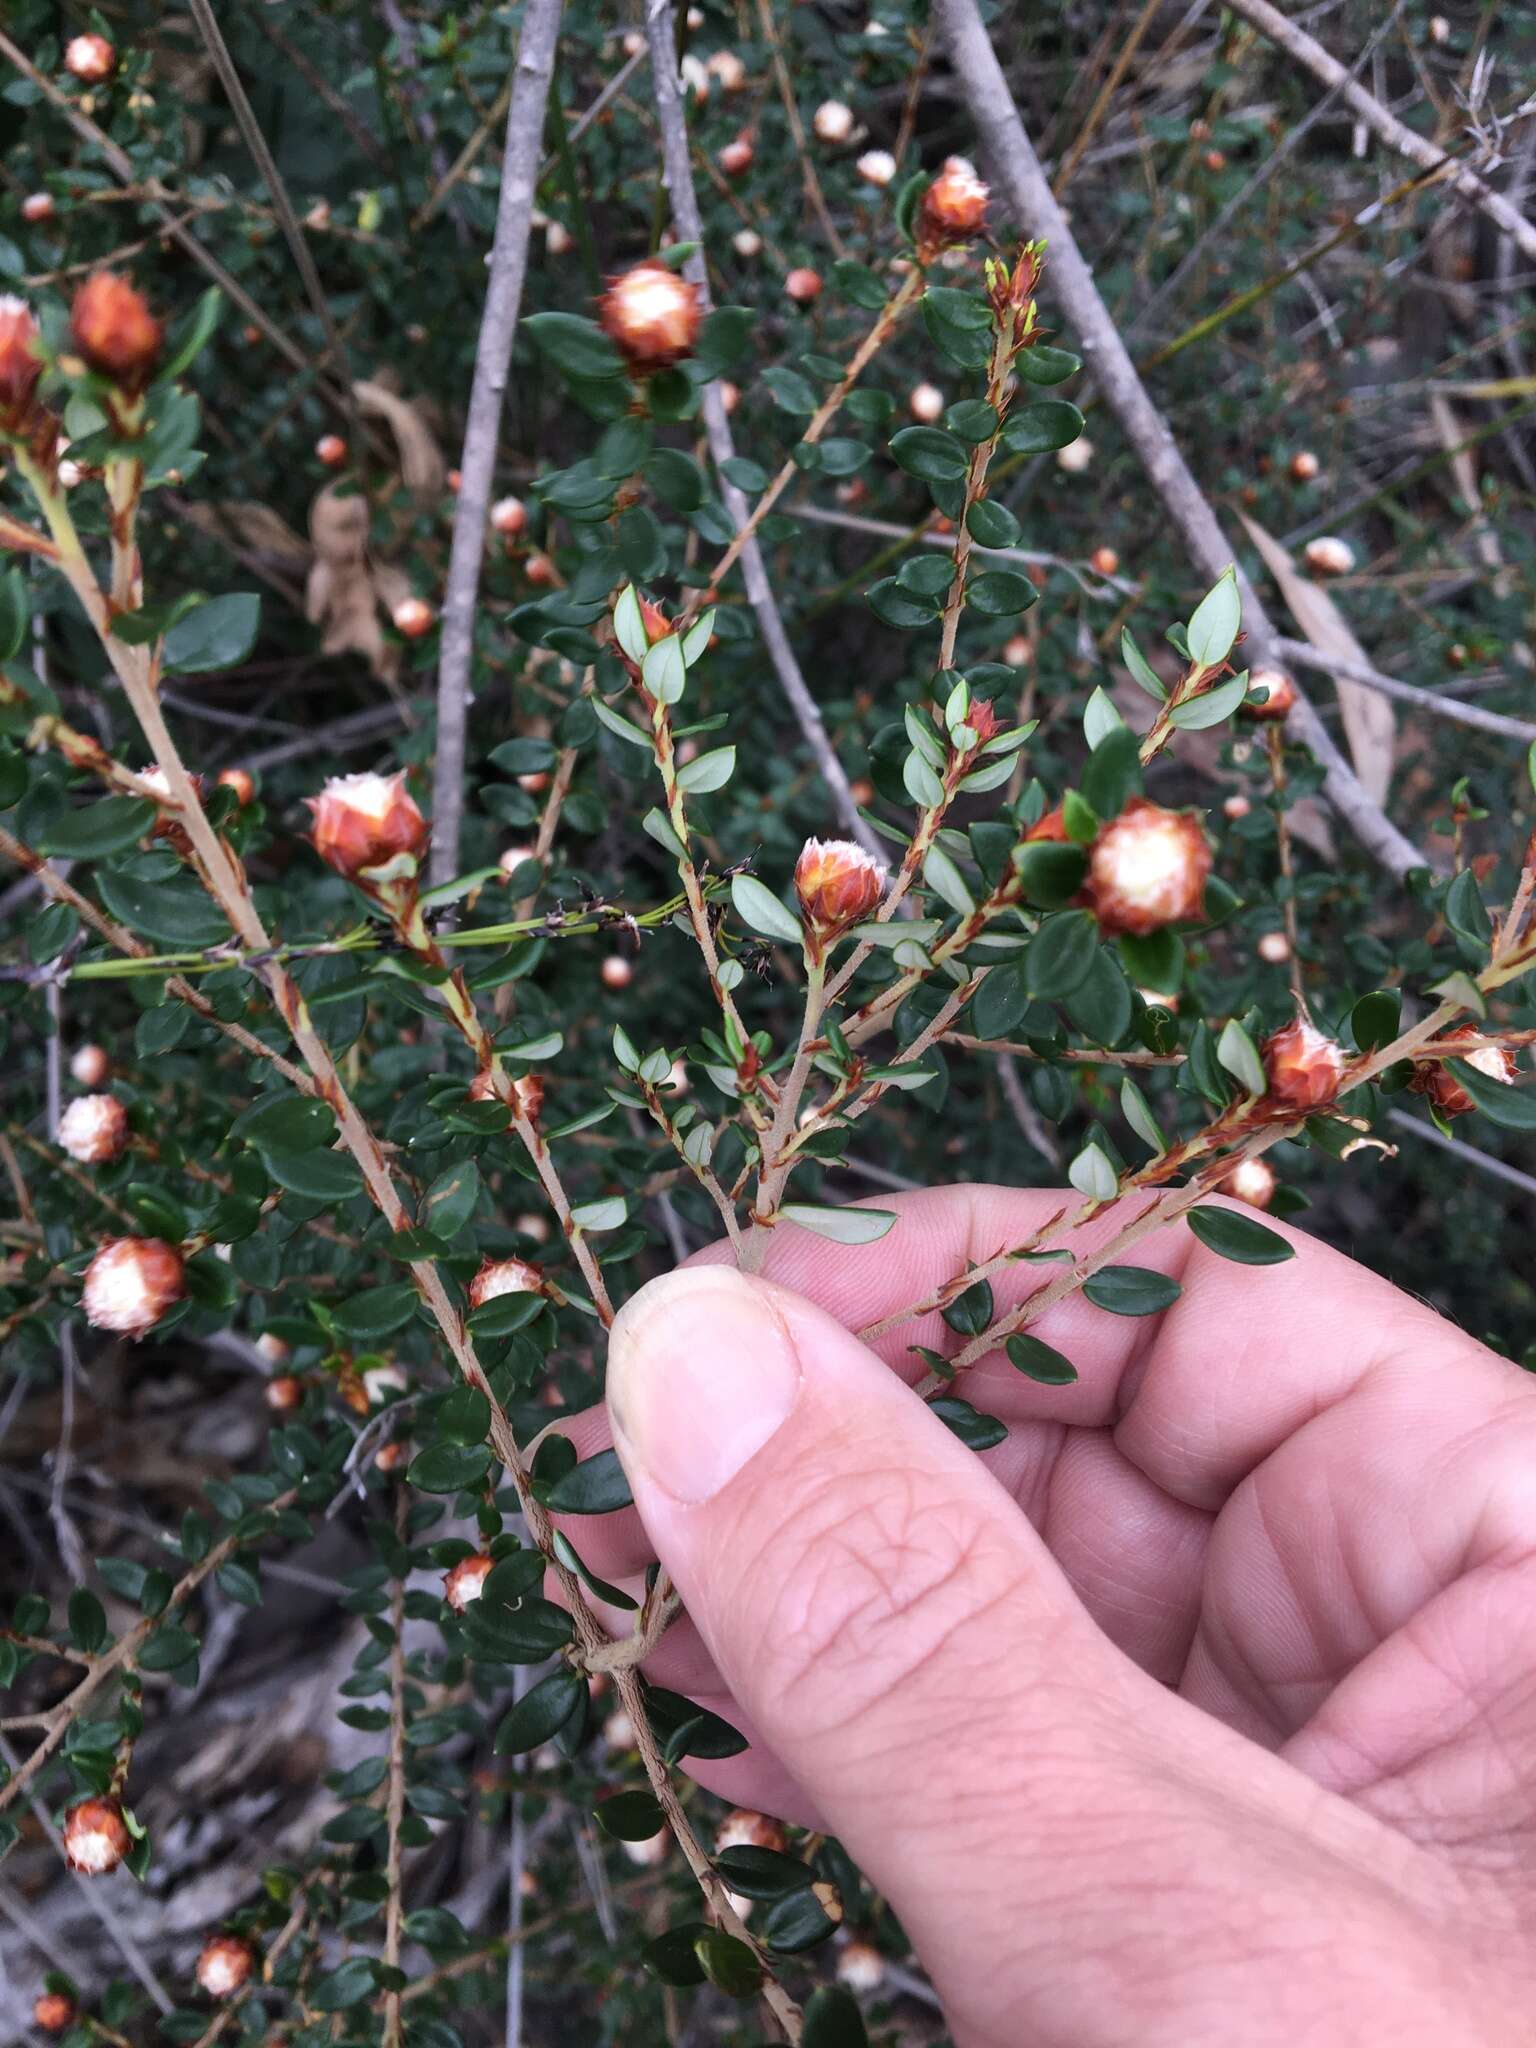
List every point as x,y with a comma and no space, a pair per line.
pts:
285,1394
861,1967
54,2012
94,1129
1329,556
747,242
1104,561
96,1837
37,206
89,1066
1279,694
736,157
838,885
1146,869
393,1455
497,1277
364,821
331,450
90,58
1304,1066
225,1963
539,569
726,68
1215,160
115,331
20,364
558,239
131,1283
832,121
803,285
1017,651
509,517
745,1828
466,1582
1252,1181
616,972
274,1349
1274,948
1076,456
1304,466
925,402
652,315
511,858
413,617
954,207
876,167
381,1382
1439,29
1436,1079
1237,806
651,1851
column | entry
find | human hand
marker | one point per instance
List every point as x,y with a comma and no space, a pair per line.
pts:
1203,1708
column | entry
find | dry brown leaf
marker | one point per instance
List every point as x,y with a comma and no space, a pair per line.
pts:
255,526
342,595
1369,723
421,460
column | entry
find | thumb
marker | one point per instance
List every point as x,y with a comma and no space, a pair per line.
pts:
890,1622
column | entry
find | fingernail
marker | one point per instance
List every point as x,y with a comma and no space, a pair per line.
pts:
701,1373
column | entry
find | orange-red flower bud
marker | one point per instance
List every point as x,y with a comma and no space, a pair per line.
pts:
225,1963
1328,555
37,206
1252,1181
413,617
743,1828
1051,825
363,821
1436,1079
54,2012
332,451
954,207
115,330
803,285
1104,561
1304,1066
285,1393
241,782
497,1277
90,1066
89,58
652,315
509,516
1147,869
1304,466
1281,693
20,364
466,1582
838,884
94,1129
131,1283
861,1967
736,157
96,1837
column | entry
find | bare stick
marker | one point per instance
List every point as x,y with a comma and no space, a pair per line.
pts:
690,228
477,464
986,92
1410,693
1369,111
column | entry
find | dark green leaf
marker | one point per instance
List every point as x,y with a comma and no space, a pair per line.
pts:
177,913
992,525
99,829
448,1468
87,1620
673,1957
378,1312
1000,593
833,2020
1041,427
972,1312
630,1816
597,1486
1131,1290
976,1431
464,1418
728,1963
216,635
1039,1361
1239,1237
1376,1019
763,1873
1061,954
1045,365
931,454
1514,1108
540,1713
577,348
